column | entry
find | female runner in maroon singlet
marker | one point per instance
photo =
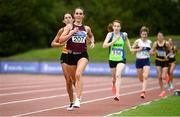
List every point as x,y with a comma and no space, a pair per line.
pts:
76,37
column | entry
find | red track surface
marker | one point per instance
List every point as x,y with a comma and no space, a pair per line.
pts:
45,95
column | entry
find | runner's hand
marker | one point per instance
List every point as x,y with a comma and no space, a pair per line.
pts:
92,45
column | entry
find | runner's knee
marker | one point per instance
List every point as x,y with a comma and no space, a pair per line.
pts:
78,75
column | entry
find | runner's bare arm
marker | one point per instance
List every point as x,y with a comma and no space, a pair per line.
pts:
55,42
134,47
90,36
127,41
106,43
153,50
67,33
169,49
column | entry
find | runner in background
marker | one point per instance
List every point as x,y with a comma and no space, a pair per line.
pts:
115,41
172,63
67,19
110,29
76,38
160,49
142,47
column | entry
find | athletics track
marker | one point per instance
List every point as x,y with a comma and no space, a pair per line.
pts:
45,95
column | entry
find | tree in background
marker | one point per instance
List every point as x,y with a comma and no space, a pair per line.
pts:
26,24
31,24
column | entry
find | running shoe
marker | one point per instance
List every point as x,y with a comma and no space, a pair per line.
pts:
162,94
171,85
113,89
116,98
77,103
70,108
142,95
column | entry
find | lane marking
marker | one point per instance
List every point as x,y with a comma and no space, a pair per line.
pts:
24,87
52,89
25,83
85,102
45,90
42,85
63,95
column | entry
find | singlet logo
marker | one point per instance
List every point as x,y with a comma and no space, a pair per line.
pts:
79,37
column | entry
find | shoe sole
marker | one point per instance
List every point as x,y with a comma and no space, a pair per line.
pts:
76,106
142,97
69,109
116,99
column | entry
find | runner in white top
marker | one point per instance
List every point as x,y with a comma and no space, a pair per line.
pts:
146,46
142,48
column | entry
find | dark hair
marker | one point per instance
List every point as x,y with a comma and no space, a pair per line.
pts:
109,27
67,13
118,21
79,8
144,29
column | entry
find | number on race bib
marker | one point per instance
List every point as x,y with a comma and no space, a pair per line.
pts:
78,39
145,53
161,53
117,52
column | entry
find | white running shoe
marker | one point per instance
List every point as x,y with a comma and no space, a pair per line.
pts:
77,103
171,86
71,106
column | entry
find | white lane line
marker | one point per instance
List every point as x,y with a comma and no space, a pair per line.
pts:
52,89
27,83
85,102
36,81
24,87
63,95
32,91
45,90
39,85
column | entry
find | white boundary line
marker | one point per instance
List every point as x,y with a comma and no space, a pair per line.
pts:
62,95
43,85
44,90
134,107
40,82
32,86
85,102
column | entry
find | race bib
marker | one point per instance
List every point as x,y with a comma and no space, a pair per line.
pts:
145,53
78,39
117,52
161,53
